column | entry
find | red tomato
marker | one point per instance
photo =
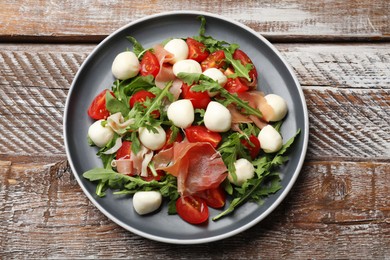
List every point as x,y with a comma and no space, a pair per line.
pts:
141,97
198,99
244,59
149,64
214,198
214,60
253,146
168,144
196,50
97,110
192,209
151,177
198,133
125,150
235,86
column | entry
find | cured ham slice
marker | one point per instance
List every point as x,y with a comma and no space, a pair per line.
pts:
256,100
137,164
166,72
197,166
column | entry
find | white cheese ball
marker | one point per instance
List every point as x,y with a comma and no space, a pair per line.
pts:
244,171
178,48
145,202
125,65
100,135
151,140
278,105
270,139
216,75
181,113
188,66
217,117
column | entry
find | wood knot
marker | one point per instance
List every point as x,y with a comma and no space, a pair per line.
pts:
334,188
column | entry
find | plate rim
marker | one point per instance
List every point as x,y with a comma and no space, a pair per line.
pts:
242,228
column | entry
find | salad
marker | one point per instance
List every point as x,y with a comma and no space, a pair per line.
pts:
184,122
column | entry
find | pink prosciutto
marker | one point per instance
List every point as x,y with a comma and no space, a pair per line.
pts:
135,165
256,100
197,166
166,73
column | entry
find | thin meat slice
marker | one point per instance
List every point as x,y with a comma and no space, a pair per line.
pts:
256,100
166,73
197,166
136,164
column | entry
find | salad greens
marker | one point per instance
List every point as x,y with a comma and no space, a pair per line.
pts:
266,180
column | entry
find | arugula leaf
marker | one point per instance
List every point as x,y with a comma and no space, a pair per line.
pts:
137,47
239,69
130,185
114,105
207,84
124,89
255,188
211,44
231,149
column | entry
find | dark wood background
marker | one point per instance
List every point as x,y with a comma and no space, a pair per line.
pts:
340,205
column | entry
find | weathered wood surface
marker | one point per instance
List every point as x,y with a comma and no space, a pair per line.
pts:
335,210
287,20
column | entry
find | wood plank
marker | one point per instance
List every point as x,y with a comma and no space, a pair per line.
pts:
280,21
346,89
335,210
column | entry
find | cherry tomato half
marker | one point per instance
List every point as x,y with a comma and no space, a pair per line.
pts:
214,198
151,177
198,99
169,143
253,146
149,64
97,110
192,209
199,133
125,151
235,85
196,50
244,59
140,97
214,60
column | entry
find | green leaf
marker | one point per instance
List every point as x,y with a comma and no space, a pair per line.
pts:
100,174
114,105
239,69
137,47
207,84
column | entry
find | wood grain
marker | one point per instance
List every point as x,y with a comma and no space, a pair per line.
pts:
346,89
340,209
280,21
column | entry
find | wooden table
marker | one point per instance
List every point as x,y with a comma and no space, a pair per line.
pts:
340,205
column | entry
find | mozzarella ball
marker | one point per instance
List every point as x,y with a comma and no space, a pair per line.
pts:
216,75
278,105
244,171
217,117
270,139
178,48
151,140
181,113
100,135
125,65
188,66
145,202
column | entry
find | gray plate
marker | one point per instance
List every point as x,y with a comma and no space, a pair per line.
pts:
95,75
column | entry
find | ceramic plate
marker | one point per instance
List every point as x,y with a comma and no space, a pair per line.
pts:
275,76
